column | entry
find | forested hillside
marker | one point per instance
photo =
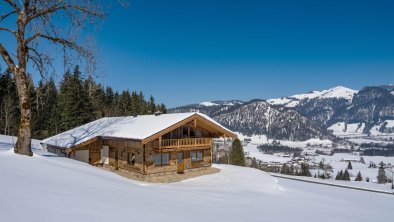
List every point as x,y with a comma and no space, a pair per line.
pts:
76,100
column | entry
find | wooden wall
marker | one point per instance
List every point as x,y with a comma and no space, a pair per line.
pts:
172,166
123,147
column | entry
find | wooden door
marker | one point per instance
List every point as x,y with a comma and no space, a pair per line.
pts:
181,164
94,157
116,159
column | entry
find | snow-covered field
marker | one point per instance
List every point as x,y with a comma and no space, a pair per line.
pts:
337,164
49,188
262,139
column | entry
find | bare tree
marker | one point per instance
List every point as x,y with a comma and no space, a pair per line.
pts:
42,29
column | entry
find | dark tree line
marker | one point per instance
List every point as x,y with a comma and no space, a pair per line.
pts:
374,149
76,101
271,149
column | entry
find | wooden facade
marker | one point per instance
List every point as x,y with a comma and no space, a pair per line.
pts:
184,146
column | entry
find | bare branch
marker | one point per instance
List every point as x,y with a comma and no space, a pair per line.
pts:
12,4
64,6
7,58
8,30
6,15
56,40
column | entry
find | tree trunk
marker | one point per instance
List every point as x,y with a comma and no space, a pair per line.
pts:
23,144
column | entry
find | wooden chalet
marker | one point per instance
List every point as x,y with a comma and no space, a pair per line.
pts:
146,144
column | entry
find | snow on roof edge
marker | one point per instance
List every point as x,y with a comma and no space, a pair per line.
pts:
127,127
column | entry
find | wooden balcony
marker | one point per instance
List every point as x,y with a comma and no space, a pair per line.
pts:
182,144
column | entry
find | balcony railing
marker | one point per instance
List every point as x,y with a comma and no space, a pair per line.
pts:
179,144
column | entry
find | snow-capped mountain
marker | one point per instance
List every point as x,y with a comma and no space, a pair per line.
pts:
341,106
338,92
307,115
210,108
260,118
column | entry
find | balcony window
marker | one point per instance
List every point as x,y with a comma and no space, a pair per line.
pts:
184,132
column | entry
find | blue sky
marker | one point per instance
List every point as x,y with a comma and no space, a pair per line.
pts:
190,51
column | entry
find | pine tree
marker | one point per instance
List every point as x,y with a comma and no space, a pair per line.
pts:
359,177
305,170
382,178
349,166
162,108
9,104
285,169
339,175
46,120
321,165
151,105
109,102
346,175
74,104
237,156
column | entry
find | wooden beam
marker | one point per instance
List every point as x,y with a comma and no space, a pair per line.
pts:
211,127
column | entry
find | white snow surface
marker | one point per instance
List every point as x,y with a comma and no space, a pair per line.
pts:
341,128
262,139
130,127
336,92
208,104
43,188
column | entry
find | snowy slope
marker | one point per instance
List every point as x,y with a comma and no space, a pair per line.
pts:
342,128
9,141
336,92
63,190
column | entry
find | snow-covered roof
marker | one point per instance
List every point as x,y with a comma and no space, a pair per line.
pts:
128,127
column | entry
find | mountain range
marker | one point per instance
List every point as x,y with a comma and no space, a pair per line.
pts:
304,116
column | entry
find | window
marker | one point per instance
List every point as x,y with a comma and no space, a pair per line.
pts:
184,132
167,136
196,155
165,158
158,159
162,159
199,134
192,132
131,158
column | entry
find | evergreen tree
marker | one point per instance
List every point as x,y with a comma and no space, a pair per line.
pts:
349,166
285,169
152,105
346,175
382,178
339,175
9,104
321,165
74,104
109,102
162,108
359,177
305,170
125,104
237,156
47,117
